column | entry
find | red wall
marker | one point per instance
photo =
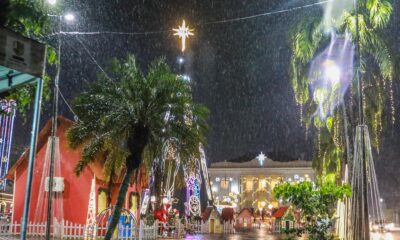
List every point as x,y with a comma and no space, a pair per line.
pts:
76,191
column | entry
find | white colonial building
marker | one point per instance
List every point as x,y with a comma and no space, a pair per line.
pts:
250,184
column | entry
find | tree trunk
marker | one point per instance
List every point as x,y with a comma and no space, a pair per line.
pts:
118,205
136,142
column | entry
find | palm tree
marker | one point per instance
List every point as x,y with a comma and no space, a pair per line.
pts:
308,38
124,119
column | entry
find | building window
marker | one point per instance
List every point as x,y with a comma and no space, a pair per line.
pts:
249,185
224,184
133,202
101,200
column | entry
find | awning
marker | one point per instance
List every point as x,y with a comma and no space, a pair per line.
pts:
10,78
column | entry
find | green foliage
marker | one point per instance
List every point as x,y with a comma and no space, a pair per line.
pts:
123,120
317,204
30,19
308,37
111,108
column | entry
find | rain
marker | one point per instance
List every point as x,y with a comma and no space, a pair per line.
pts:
238,62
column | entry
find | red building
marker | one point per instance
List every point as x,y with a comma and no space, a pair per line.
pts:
76,189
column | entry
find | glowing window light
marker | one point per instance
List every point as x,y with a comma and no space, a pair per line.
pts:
224,184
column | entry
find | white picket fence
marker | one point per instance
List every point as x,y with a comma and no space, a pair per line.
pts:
68,230
200,227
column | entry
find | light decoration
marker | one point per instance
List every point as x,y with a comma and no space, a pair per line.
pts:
7,116
183,32
193,195
90,227
261,158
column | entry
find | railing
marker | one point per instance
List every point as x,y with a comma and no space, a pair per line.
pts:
69,230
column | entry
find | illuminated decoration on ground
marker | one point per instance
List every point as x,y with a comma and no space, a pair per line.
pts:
183,32
7,116
261,158
171,162
193,182
90,228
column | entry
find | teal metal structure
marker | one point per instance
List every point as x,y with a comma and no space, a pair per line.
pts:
10,79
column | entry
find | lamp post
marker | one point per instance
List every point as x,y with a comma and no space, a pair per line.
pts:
68,17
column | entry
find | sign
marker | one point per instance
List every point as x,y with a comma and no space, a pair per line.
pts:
20,53
58,184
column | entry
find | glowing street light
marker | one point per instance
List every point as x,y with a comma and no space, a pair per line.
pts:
332,71
69,17
183,32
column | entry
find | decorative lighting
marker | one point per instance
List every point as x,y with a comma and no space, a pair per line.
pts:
217,179
270,206
165,201
7,116
183,32
261,158
296,177
263,204
181,60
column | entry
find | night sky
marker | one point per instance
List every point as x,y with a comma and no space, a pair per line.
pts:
239,70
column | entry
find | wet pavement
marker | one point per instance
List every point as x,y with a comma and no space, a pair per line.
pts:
262,234
258,234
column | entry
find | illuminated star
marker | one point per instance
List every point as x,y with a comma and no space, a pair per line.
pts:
261,158
183,32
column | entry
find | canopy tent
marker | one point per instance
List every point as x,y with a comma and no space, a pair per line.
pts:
22,61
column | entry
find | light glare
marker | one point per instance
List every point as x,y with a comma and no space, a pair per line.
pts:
332,71
69,17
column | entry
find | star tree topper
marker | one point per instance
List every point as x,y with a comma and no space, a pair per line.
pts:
183,32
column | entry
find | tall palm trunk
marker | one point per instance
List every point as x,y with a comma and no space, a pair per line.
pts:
136,143
118,205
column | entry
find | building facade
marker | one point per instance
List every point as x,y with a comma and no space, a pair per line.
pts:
250,184
76,189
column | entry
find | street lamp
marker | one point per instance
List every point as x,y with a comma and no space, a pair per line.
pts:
68,17
52,2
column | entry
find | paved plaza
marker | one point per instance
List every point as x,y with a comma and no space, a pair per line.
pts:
259,234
